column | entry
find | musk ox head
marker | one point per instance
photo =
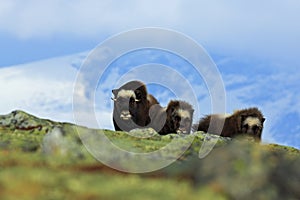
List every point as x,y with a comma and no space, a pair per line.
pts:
130,106
179,117
250,122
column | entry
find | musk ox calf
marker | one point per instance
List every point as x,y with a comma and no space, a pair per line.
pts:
177,117
131,106
241,122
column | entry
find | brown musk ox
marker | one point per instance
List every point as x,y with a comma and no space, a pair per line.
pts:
242,122
131,106
177,117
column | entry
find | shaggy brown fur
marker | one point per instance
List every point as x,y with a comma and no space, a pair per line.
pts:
177,117
247,121
131,106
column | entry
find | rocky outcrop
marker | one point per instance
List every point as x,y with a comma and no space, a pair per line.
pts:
20,120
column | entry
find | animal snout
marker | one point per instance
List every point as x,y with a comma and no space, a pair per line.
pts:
183,126
182,129
125,115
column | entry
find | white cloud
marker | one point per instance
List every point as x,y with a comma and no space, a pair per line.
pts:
227,25
84,18
256,30
45,89
29,87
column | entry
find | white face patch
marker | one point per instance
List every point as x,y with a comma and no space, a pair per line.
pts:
184,114
126,94
252,121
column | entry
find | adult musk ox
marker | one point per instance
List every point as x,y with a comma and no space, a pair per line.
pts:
177,117
246,121
131,106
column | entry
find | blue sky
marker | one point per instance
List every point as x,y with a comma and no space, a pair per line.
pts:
255,45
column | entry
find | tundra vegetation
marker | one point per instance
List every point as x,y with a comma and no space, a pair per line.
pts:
42,159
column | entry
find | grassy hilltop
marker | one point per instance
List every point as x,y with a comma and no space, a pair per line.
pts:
42,159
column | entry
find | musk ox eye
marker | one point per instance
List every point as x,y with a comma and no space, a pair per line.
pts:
178,118
246,126
131,100
138,94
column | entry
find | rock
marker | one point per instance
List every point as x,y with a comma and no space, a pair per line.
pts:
62,143
143,133
54,142
20,120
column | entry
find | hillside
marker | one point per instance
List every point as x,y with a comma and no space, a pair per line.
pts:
43,159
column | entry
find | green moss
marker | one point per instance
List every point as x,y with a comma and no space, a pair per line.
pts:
52,162
284,149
